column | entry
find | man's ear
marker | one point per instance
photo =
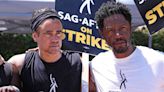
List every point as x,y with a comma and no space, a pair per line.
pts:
35,36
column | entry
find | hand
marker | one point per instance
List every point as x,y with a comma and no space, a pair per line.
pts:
1,60
9,89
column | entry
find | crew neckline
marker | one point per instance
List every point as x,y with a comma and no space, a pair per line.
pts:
125,59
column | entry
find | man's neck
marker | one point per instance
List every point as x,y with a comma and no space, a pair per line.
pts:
125,54
50,58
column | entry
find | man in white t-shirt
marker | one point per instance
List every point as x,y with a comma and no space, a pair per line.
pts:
126,68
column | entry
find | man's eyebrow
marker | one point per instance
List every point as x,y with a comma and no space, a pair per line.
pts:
108,27
59,30
49,31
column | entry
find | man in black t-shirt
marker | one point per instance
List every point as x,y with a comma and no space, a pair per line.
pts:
48,69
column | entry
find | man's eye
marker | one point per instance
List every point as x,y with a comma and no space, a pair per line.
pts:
58,32
48,33
107,32
124,29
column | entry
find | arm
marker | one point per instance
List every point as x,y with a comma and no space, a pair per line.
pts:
1,60
14,84
15,77
11,72
92,87
18,61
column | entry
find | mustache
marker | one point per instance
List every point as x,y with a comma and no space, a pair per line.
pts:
54,43
119,39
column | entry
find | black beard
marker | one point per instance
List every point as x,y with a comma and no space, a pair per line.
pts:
120,50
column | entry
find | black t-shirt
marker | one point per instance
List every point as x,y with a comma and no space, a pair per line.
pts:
61,76
5,74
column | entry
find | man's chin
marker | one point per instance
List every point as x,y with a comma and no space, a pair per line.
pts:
54,50
120,49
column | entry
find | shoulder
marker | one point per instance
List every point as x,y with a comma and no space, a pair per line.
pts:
152,56
17,60
102,56
72,57
70,53
151,53
102,59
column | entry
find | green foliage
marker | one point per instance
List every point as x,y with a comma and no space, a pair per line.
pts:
140,37
11,44
158,40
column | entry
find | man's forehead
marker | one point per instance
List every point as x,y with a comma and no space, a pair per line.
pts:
115,17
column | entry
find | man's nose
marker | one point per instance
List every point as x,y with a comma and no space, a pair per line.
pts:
117,32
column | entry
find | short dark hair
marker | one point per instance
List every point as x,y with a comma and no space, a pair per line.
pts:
40,15
109,8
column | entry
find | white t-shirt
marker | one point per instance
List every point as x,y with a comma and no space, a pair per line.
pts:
142,71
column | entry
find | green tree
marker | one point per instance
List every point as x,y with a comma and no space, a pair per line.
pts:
158,40
11,44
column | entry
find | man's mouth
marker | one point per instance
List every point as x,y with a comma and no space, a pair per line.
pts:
120,42
54,45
